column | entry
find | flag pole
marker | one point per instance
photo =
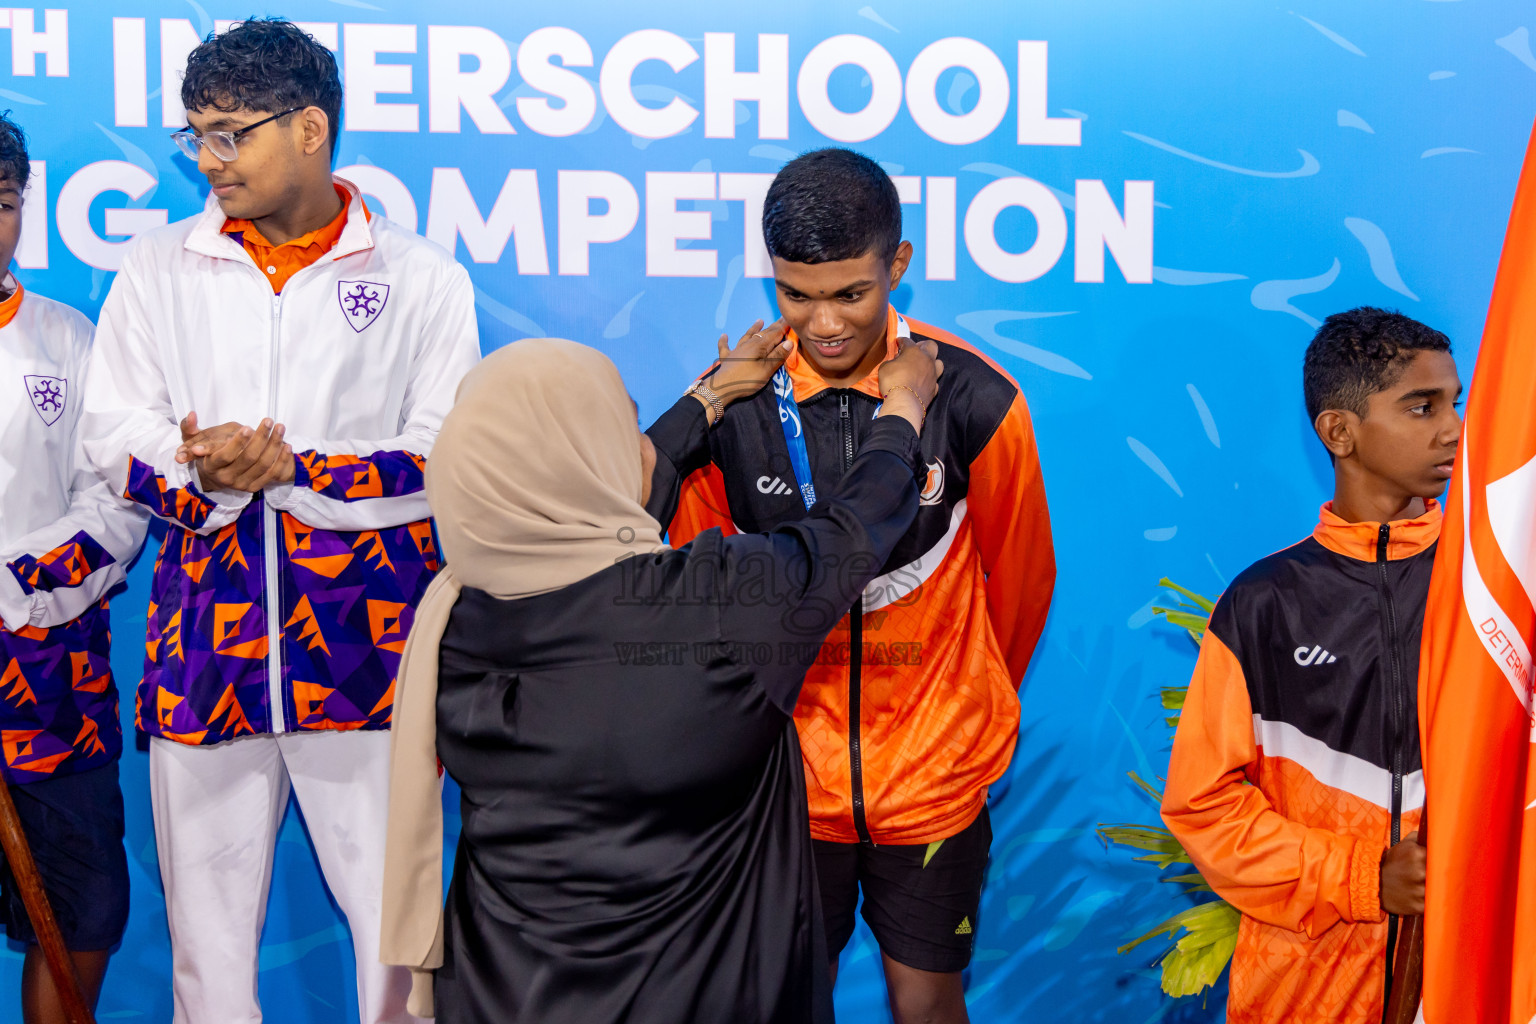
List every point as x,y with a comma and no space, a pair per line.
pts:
1408,965
13,842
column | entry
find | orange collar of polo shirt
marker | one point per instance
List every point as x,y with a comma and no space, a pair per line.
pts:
1358,540
280,262
808,382
9,307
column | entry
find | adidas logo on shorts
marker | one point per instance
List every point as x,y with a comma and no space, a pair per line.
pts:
965,927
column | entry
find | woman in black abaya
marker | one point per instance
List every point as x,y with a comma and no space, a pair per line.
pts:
617,714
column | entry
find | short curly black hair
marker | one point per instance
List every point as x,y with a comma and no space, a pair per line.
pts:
265,64
1359,352
15,166
829,205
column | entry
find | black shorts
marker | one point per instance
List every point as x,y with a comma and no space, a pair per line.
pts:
921,907
74,825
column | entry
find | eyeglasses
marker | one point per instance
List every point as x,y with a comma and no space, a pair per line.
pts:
224,145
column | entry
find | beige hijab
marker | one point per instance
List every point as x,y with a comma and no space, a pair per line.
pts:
535,483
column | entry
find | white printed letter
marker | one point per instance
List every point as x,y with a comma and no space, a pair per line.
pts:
580,228
724,86
74,215
364,78
52,42
981,221
1035,127
618,95
884,94
665,224
579,102
449,86
922,91
517,214
1098,224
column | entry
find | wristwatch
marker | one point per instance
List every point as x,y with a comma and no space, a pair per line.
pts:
704,391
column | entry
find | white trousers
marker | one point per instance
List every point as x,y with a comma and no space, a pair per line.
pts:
217,811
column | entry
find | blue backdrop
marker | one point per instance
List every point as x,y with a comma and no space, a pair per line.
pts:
1261,166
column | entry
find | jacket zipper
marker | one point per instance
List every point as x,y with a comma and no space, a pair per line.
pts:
271,569
855,657
1395,717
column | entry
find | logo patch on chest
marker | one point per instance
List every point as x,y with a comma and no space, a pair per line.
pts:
933,486
1315,655
361,302
48,395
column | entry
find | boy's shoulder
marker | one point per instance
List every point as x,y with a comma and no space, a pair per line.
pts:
975,393
55,317
1300,572
962,360
401,246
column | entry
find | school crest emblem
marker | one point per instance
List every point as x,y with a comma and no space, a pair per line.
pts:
48,395
361,302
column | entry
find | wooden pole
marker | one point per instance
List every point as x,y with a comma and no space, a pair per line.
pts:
13,842
1407,966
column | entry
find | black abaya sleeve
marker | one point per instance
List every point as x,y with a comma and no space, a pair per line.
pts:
681,438
789,588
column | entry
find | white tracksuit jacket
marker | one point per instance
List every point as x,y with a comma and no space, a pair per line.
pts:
65,540
286,610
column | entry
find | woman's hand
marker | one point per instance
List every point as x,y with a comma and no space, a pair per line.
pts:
752,363
909,381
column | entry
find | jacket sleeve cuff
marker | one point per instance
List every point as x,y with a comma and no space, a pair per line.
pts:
1365,882
225,499
895,435
15,603
283,497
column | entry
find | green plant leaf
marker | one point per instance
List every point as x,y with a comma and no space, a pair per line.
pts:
1189,620
1168,927
1198,956
1147,787
1165,849
1203,952
1202,602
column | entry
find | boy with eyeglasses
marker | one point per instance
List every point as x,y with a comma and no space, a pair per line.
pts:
269,378
65,541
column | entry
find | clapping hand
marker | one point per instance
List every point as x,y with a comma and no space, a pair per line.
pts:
233,457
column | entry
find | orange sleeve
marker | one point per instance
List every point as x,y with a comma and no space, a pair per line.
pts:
1269,867
1006,501
700,505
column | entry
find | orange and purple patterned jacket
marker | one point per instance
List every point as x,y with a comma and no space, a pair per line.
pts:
285,610
65,541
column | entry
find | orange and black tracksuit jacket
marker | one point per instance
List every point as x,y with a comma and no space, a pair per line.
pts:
910,711
1296,763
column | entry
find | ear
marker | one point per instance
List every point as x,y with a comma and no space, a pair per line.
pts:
1336,428
316,129
900,262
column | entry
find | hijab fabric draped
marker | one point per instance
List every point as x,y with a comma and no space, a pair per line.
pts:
534,483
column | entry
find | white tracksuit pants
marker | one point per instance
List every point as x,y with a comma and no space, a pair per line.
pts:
217,810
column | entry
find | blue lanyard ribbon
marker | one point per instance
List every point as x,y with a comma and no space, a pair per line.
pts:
794,435
794,429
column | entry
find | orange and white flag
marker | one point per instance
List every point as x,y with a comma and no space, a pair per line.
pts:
1476,673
